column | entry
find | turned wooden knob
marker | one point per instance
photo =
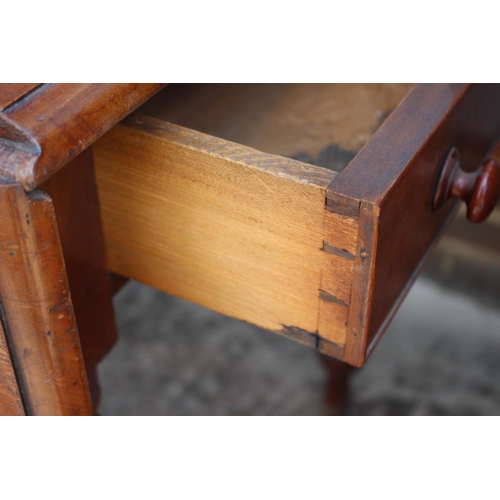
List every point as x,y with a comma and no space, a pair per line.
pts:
480,189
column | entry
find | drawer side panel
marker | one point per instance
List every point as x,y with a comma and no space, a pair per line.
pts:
226,227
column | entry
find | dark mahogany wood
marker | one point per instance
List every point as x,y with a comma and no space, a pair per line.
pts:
338,374
480,189
57,121
42,128
37,311
117,282
74,193
393,177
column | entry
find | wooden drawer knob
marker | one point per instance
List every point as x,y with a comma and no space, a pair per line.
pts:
480,189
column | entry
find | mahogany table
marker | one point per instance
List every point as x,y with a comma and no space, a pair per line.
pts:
219,194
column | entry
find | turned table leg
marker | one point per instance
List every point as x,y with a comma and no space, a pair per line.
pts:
336,384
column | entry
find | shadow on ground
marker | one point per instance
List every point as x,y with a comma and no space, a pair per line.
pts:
440,356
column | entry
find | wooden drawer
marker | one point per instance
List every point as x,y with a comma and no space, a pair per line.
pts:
192,207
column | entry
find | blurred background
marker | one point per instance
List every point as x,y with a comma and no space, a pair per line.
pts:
440,355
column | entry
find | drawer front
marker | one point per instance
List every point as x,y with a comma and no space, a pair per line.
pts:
320,257
389,188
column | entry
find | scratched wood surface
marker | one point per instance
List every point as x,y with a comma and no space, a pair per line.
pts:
47,128
37,312
239,231
42,128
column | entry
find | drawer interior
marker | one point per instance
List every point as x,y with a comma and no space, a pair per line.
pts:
320,124
235,197
230,225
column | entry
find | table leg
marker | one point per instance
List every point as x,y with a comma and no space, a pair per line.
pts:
36,308
336,384
74,193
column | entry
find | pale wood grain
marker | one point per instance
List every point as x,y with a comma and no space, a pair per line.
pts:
224,226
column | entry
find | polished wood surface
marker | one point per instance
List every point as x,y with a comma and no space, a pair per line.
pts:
392,180
10,93
38,317
480,190
42,128
239,231
73,191
49,127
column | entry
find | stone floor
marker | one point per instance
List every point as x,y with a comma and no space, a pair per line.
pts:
440,356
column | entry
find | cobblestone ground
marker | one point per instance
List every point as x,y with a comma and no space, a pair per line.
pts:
440,356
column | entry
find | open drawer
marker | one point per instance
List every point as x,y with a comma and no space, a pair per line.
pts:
191,206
